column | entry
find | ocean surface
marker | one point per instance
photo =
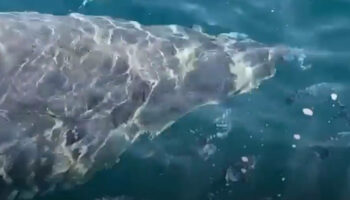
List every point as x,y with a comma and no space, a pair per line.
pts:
289,139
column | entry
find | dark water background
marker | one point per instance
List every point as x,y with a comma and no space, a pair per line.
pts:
260,125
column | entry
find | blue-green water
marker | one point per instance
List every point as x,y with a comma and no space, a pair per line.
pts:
260,125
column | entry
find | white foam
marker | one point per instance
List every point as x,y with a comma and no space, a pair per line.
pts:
334,96
297,136
308,112
244,159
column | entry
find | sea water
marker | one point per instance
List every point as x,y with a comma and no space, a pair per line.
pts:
288,139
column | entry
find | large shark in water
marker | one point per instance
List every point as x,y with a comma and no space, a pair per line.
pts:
76,90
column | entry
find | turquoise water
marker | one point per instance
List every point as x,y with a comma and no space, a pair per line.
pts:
260,125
